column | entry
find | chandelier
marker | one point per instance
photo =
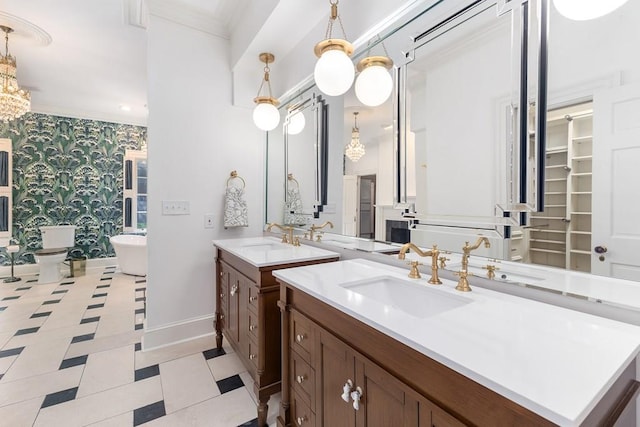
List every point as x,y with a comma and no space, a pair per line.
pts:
14,102
355,149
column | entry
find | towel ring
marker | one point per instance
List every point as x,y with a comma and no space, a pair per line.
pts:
291,178
234,175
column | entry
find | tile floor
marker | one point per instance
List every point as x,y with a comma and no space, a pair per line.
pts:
70,355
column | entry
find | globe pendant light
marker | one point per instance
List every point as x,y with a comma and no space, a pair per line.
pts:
374,83
582,10
295,122
265,114
334,71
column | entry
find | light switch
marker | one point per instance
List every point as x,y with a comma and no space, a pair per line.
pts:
175,207
208,221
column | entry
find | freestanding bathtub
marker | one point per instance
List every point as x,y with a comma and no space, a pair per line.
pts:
131,251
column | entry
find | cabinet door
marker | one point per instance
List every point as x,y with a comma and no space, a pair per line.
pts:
242,298
223,291
335,366
233,319
384,401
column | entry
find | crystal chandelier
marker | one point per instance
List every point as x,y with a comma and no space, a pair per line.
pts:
355,149
14,102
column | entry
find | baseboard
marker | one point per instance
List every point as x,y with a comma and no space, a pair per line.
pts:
175,333
30,269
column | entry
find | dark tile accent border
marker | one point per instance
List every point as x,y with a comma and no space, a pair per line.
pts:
140,299
138,346
73,361
148,372
141,280
229,384
148,413
11,352
141,289
43,314
99,295
89,320
23,288
3,308
10,298
53,301
102,286
31,281
139,310
106,278
214,352
61,291
81,338
66,283
138,326
252,423
95,306
26,331
59,397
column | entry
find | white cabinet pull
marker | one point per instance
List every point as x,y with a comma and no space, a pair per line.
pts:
221,295
346,389
221,316
301,378
252,299
301,420
253,327
300,338
356,396
234,289
252,356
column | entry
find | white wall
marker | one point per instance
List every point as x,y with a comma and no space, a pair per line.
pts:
195,139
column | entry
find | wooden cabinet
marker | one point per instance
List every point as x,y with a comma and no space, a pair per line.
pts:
394,385
561,235
248,317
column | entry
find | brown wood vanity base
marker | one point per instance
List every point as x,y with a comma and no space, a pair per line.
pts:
248,316
325,350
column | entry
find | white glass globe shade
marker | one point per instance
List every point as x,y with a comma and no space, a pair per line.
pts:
581,10
334,73
296,123
374,85
266,116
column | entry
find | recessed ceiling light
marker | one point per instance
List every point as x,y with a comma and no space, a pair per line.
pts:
125,108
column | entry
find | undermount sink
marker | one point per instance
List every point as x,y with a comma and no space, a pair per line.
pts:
264,246
415,299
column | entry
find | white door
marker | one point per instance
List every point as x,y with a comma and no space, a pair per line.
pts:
349,205
616,186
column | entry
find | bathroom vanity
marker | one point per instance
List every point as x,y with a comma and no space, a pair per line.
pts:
365,345
246,304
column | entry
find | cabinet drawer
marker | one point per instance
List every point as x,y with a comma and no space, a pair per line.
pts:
301,415
253,354
303,378
253,298
253,325
301,336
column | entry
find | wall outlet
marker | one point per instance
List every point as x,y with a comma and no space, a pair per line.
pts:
208,221
175,207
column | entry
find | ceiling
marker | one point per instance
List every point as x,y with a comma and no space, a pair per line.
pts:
87,59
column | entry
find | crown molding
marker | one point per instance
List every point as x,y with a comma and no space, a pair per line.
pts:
189,16
134,13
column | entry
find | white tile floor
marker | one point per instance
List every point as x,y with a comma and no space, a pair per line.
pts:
70,356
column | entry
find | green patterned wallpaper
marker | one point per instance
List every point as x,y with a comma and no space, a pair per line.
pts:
68,171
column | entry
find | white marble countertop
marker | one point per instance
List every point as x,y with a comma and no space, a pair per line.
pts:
267,251
556,362
364,245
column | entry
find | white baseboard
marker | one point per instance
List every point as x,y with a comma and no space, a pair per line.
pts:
27,269
175,333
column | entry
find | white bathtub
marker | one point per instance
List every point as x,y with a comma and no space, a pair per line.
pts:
131,251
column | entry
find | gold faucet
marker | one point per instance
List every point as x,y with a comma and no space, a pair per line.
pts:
288,236
463,283
318,227
433,253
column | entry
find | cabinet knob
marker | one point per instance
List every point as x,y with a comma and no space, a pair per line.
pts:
301,378
301,420
252,299
356,395
221,295
346,390
300,338
234,290
253,327
221,316
252,356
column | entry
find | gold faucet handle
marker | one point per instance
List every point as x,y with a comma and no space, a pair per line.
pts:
306,236
443,261
318,237
491,270
414,273
284,239
296,241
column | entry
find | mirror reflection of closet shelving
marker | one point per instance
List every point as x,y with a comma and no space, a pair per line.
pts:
561,235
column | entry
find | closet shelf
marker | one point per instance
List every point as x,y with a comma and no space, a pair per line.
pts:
581,174
583,233
547,251
555,218
555,180
581,158
583,138
552,193
581,193
554,242
556,206
562,149
544,230
581,252
556,167
580,213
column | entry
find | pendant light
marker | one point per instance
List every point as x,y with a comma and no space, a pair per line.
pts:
582,10
374,83
265,115
355,149
334,71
